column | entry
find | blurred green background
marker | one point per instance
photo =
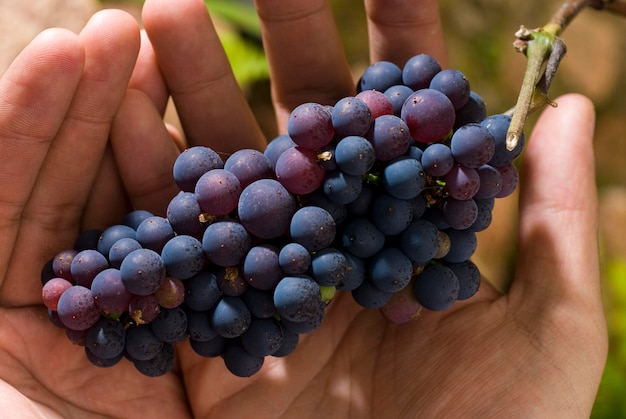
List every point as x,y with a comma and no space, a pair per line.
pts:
480,36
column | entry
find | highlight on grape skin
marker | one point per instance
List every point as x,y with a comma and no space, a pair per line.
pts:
379,196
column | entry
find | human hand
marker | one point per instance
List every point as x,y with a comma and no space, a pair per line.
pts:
356,364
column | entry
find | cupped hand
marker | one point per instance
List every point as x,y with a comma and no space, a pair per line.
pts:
539,350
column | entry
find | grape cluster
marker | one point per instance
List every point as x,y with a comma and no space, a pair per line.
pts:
380,195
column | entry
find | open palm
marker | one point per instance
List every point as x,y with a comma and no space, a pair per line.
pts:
541,346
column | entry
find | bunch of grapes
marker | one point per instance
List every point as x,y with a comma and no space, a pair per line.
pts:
380,195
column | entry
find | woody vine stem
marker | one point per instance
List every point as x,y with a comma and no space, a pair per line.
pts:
544,50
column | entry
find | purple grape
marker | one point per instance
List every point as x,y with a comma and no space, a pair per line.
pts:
193,163
121,249
249,165
510,179
77,309
276,147
460,214
380,76
453,84
419,70
143,309
378,103
310,126
231,281
390,137
490,182
298,171
225,243
429,114
217,192
462,182
109,292
142,271
351,116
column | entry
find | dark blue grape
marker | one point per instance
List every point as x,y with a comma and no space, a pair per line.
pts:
460,214
355,274
275,148
102,362
183,213
161,364
484,217
498,126
474,111
263,337
265,209
436,288
342,188
170,325
391,215
86,265
420,241
403,178
312,227
143,308
462,245
361,238
361,205
369,296
210,348
193,163
154,232
87,239
249,165
390,270
261,267
288,345
294,259
306,326
239,361
297,298
354,155
329,267
390,137
136,217
453,84
199,326
121,249
397,95
351,116
230,317
260,302
231,281
112,234
142,271
225,243
380,76
217,192
437,159
472,145
318,198
141,343
490,182
106,338
419,70
202,291
183,256
462,182
510,179
468,276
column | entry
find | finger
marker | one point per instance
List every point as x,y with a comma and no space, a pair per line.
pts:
145,153
212,108
55,208
558,253
147,76
306,58
35,93
400,29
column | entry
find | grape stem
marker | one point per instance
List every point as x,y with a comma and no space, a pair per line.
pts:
544,49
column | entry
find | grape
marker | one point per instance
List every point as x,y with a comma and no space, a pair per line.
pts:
263,337
462,182
193,163
199,327
183,213
369,296
402,307
460,214
390,270
182,256
249,165
202,291
170,325
437,159
462,245
209,349
354,155
390,215
121,249
77,337
231,281
306,326
261,267
342,188
355,273
143,309
294,258
55,320
297,298
141,343
259,302
230,317
240,362
77,309
453,84
473,111
472,145
490,182
106,338
154,232
419,70
162,363
498,126
225,243
510,179
275,148
265,209
378,103
288,344
351,116
469,278
403,178
361,238
380,76
397,95
361,205
217,192
136,217
329,267
109,292
312,227
318,198
171,293
429,114
52,291
484,217
142,271
434,214
436,288
47,272
310,126
85,265
420,241
88,239
112,234
390,137
102,362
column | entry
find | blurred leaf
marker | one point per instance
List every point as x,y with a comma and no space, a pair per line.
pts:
240,14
